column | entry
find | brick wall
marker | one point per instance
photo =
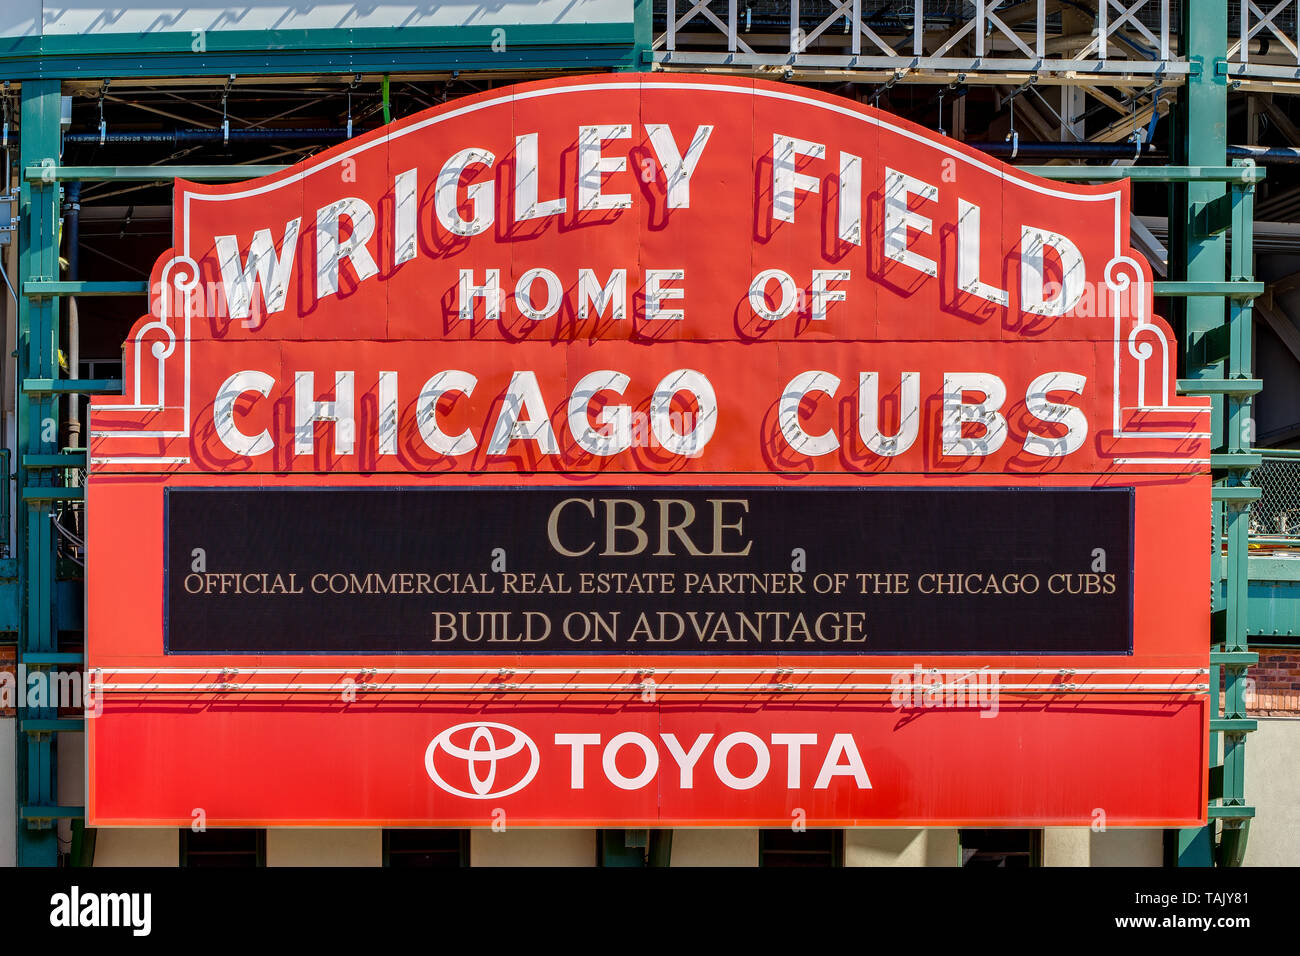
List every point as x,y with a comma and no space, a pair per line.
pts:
1276,690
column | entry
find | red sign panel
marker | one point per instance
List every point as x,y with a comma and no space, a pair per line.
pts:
649,451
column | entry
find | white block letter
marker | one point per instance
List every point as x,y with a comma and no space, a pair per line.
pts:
524,294
843,745
616,418
445,195
758,298
909,414
307,412
677,170
899,188
577,744
426,412
656,293
523,395
271,270
1033,247
968,256
223,412
592,167
591,292
330,252
706,417
1074,420
957,412
489,292
792,396
527,205
786,151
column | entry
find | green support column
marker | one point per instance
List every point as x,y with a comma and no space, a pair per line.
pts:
1196,252
38,357
1215,333
643,35
1199,250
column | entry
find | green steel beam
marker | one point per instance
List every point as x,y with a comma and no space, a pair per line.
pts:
1233,725
1241,658
1220,386
54,725
65,460
79,386
38,416
1237,493
49,812
1230,812
375,50
1155,174
51,659
38,174
1228,461
1218,290
643,31
47,288
40,494
1212,285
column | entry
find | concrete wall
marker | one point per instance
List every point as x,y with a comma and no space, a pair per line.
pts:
1128,848
8,789
1067,846
533,848
901,848
1273,789
715,848
71,779
137,847
325,847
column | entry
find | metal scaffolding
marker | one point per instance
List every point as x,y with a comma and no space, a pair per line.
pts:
1192,47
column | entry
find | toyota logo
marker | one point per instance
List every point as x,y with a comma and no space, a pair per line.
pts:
477,745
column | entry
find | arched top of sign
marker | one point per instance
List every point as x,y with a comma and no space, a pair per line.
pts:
654,274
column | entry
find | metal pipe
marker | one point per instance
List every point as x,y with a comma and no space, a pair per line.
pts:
1281,155
1069,150
177,137
72,230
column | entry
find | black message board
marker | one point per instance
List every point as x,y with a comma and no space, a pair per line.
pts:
650,570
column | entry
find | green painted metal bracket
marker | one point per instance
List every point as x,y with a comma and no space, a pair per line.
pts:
215,173
1211,347
1235,493
52,658
1233,725
1233,460
1215,216
66,460
1219,386
51,493
1231,813
374,50
10,603
80,386
38,288
1234,658
1157,174
52,725
51,813
1231,850
1231,290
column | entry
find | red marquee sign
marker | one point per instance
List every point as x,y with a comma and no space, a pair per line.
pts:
656,451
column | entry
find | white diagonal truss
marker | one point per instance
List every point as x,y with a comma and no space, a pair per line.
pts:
1063,41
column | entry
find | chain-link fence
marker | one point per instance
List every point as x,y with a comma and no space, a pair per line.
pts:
1277,512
